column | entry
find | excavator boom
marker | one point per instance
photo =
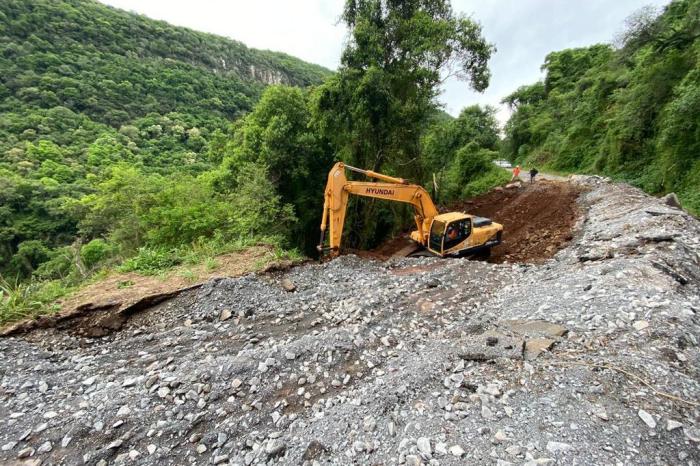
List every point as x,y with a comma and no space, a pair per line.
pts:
339,189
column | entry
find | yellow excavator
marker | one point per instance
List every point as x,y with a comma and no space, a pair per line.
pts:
453,234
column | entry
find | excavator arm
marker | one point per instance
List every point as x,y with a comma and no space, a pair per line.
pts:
339,189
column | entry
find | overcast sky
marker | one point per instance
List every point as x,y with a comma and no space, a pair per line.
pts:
524,31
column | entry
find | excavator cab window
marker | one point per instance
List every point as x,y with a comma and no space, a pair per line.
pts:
437,232
457,232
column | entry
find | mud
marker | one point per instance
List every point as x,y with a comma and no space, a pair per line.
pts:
538,220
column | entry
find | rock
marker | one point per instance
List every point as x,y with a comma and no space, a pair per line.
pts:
163,392
129,382
201,448
432,283
692,433
535,328
116,444
288,285
423,444
672,200
235,383
369,424
89,381
43,387
640,325
673,425
8,446
41,427
25,452
413,460
45,447
220,459
314,450
50,414
151,381
492,389
513,450
274,447
536,346
441,448
556,447
225,314
151,449
66,441
289,356
500,437
538,462
601,414
456,450
124,411
647,418
133,454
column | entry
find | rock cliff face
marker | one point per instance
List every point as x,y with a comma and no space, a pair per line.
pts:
589,358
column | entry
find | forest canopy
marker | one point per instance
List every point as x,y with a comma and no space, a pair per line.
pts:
631,112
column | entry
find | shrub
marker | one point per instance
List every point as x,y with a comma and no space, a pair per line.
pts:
151,261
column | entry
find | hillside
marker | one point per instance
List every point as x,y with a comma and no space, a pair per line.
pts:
630,112
84,87
590,357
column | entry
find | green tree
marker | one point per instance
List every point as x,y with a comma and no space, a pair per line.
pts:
277,134
630,113
375,109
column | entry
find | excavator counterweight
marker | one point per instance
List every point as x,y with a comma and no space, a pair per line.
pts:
449,234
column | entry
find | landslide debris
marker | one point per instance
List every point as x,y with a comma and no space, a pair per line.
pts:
363,362
538,220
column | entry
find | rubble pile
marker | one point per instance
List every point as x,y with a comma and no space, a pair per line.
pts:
590,358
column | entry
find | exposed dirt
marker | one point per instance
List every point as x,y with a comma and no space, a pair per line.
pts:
538,220
104,306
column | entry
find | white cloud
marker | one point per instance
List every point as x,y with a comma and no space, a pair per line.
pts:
523,32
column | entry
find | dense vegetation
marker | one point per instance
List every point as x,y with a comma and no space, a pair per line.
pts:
631,112
376,110
128,143
96,104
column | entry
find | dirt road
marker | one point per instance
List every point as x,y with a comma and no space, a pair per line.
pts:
538,218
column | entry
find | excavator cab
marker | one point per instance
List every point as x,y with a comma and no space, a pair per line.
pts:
456,234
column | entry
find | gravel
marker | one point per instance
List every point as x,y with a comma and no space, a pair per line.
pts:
411,361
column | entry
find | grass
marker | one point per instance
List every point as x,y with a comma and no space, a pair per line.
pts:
20,300
193,262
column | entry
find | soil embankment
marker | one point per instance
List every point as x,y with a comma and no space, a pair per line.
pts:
538,220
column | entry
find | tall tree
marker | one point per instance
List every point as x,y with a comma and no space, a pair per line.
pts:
398,54
375,109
